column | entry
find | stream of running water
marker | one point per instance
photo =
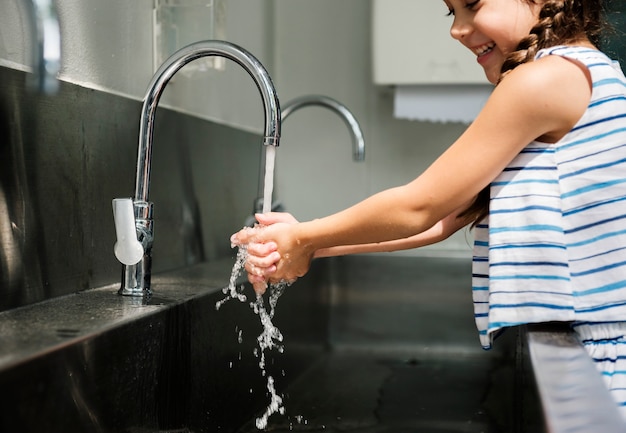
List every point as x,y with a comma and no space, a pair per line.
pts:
271,337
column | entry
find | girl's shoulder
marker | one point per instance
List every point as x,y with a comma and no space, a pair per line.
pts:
553,92
551,76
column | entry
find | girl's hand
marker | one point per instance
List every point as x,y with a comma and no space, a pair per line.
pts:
276,253
262,256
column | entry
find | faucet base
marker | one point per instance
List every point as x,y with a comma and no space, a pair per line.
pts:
137,292
136,278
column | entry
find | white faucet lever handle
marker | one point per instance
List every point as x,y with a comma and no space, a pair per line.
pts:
128,249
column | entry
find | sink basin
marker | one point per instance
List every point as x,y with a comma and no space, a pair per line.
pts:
99,362
371,344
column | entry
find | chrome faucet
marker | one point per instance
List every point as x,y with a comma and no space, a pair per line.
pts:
133,218
46,49
358,142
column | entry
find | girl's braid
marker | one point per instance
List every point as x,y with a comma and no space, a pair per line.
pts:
560,22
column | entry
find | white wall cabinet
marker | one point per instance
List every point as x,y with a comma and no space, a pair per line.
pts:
412,45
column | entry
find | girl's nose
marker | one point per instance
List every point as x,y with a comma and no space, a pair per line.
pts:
460,28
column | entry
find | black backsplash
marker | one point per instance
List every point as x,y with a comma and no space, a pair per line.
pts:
65,157
615,42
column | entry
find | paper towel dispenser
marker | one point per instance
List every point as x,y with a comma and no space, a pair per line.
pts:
412,45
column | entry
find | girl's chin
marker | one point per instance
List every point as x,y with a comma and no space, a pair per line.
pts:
492,73
491,65
493,78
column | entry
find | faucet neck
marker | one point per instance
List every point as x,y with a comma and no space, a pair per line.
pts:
167,70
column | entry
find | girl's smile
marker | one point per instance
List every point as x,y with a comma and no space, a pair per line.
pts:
483,53
484,49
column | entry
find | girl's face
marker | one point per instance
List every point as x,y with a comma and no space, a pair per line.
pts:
491,29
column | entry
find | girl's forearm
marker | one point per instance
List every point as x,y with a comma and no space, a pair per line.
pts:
382,217
440,231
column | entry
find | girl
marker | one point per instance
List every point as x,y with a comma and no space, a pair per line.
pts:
540,174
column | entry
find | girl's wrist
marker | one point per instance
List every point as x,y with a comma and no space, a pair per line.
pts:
304,239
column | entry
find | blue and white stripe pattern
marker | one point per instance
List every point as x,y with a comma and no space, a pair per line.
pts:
553,247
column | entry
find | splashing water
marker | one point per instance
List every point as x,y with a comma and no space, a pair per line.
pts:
274,406
232,291
270,338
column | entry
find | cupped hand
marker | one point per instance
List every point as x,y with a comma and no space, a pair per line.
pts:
283,256
263,256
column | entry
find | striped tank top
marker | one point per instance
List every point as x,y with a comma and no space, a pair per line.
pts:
553,247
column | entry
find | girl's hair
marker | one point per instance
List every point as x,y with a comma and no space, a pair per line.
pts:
560,22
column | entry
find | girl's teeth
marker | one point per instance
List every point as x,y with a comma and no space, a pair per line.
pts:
484,49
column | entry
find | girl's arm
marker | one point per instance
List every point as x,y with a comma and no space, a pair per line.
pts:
443,229
440,231
262,256
539,100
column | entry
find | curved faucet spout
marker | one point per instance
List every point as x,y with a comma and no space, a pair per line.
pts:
167,70
358,143
136,274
